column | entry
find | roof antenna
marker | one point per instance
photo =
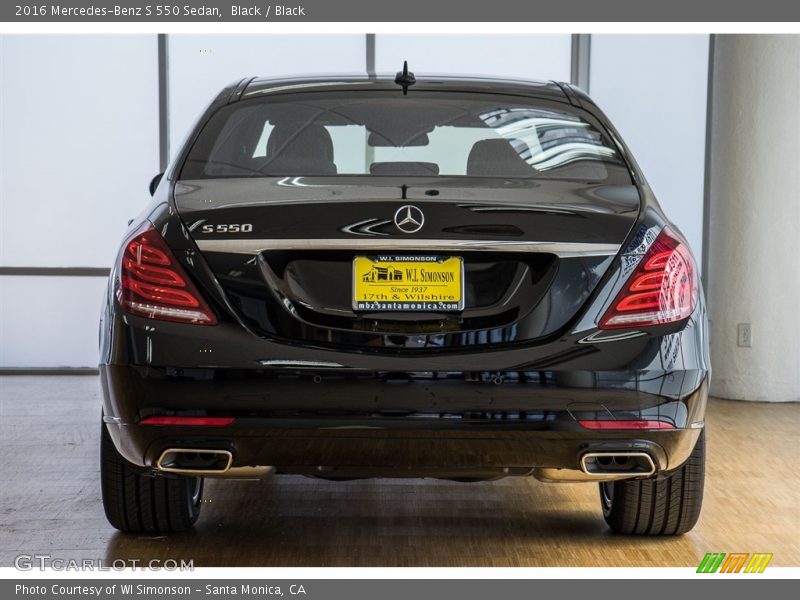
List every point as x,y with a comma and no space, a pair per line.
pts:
405,78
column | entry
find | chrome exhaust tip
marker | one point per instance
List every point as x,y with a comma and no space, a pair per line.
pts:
617,465
194,461
203,462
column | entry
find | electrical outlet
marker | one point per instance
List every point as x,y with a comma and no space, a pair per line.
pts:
745,335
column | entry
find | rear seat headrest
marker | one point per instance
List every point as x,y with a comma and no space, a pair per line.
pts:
497,158
299,151
310,142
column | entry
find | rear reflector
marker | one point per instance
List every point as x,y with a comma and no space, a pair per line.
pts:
152,284
662,289
608,425
189,421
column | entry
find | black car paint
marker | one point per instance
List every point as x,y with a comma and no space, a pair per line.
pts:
395,403
317,281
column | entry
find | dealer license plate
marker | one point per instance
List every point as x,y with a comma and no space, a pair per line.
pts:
392,283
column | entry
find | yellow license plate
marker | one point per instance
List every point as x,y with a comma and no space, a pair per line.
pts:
408,284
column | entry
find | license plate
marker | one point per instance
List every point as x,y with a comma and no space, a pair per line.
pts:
408,284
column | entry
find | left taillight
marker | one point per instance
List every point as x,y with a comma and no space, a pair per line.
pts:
152,284
662,289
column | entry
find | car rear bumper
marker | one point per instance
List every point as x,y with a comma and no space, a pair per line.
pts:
412,424
345,412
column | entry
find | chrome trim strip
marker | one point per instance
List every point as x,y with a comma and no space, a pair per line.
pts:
302,364
255,472
256,246
600,336
552,474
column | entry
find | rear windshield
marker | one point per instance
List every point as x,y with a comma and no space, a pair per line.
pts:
388,134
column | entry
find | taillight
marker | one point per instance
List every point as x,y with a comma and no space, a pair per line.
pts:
662,289
152,284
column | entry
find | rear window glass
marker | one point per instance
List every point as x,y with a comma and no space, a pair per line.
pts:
388,134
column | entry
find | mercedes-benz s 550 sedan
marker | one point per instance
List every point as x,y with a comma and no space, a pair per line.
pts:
347,277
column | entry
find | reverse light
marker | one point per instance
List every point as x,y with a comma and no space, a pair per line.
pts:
662,289
152,284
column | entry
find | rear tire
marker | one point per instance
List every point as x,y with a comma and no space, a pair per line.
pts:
668,505
137,502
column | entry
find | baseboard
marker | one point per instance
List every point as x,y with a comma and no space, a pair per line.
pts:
48,371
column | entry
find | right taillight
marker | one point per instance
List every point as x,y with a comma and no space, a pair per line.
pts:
662,289
152,284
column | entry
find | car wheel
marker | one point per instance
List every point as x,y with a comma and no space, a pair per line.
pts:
667,505
137,502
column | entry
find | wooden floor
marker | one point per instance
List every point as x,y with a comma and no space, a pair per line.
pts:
50,503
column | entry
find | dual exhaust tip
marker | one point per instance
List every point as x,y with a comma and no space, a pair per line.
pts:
606,465
602,466
204,462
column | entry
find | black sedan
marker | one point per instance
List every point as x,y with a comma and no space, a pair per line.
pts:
350,277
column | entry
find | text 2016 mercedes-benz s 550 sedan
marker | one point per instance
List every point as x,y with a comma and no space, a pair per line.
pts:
347,277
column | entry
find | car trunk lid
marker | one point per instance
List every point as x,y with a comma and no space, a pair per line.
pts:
283,250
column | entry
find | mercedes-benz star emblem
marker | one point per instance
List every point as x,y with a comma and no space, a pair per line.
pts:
409,219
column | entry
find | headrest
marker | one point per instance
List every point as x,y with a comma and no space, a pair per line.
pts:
497,158
310,142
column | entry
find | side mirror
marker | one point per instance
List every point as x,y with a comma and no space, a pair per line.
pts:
154,183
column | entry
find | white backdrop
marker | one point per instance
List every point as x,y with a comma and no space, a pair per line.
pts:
654,88
79,139
78,146
521,56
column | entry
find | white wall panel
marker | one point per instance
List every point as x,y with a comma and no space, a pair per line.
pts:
754,218
49,321
201,65
519,56
654,88
78,144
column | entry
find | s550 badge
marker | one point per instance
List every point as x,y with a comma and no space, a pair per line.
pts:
228,228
